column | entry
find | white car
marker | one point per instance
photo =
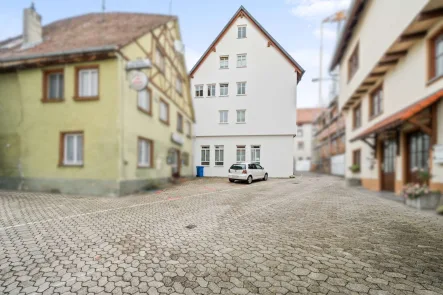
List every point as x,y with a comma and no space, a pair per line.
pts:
247,172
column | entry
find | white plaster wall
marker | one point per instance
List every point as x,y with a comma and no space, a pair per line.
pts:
338,165
306,138
405,84
382,21
276,153
270,100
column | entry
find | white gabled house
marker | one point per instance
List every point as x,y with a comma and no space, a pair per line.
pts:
245,91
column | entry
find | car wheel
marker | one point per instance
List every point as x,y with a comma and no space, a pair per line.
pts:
231,180
266,177
249,179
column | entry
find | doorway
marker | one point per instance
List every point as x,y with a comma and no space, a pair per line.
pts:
175,163
389,151
418,155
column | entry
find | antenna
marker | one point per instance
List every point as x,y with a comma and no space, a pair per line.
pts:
170,7
103,10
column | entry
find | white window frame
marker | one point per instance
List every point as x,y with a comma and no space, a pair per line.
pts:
199,90
223,116
241,60
241,88
163,103
144,153
211,90
76,161
219,155
244,116
226,87
91,85
144,100
241,32
224,61
205,155
240,157
254,149
299,132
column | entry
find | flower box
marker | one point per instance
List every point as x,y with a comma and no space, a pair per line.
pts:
425,202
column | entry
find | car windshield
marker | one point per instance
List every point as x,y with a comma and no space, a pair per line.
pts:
238,167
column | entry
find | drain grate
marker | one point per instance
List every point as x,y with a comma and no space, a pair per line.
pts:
191,226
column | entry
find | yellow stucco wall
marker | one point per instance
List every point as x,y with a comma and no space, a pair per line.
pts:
162,85
30,129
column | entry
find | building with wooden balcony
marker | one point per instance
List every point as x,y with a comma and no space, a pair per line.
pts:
391,89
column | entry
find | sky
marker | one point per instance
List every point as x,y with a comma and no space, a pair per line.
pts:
295,24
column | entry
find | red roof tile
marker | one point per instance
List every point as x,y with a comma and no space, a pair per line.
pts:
89,31
307,115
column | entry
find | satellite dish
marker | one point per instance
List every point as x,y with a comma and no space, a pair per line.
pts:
179,47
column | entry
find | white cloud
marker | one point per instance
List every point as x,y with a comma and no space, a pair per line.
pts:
328,34
317,8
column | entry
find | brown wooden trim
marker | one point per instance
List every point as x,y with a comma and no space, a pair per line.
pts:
431,57
61,149
396,54
434,123
355,52
150,103
45,80
141,48
376,75
412,36
387,63
77,97
166,56
430,14
354,121
169,117
151,160
421,126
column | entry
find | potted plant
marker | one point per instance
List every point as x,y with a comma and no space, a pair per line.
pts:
355,168
418,195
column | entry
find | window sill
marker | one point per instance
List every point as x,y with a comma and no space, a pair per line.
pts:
242,38
48,100
433,80
210,96
223,68
221,166
143,167
180,131
241,94
63,165
241,67
375,116
86,98
240,122
164,122
198,97
144,111
223,123
223,96
355,128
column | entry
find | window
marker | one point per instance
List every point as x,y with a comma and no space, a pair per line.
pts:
255,154
241,60
159,59
164,111
300,145
185,159
241,116
223,117
71,148
241,153
356,158
211,90
241,88
224,62
241,32
188,129
353,63
300,131
87,83
53,85
198,90
224,89
376,102
219,155
144,101
436,56
179,85
205,159
357,116
145,152
179,122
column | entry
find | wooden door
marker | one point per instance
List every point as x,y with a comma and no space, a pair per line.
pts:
418,155
388,167
176,163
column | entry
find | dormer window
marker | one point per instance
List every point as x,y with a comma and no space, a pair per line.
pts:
241,32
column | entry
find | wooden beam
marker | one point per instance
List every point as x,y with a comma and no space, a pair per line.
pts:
368,83
434,123
413,36
143,49
371,145
423,127
430,14
387,63
396,53
361,92
376,75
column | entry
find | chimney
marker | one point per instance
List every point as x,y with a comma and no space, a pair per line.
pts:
32,27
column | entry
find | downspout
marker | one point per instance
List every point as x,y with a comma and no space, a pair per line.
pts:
121,161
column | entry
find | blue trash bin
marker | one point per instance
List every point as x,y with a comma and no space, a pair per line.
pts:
200,171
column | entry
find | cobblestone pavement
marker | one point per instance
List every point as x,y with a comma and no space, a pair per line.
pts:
308,235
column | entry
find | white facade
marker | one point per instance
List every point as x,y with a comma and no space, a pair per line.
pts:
303,147
268,102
